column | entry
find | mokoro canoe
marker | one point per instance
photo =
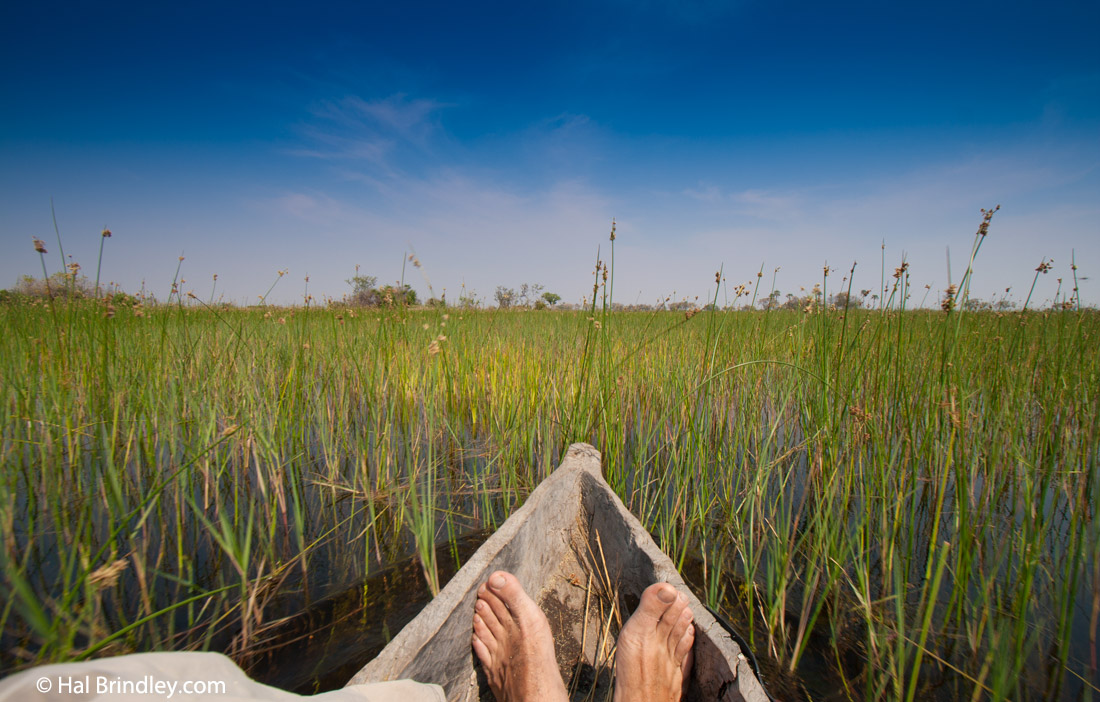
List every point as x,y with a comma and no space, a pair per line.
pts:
585,559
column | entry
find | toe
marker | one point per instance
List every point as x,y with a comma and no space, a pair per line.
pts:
484,634
508,590
655,602
482,651
492,616
671,618
505,586
495,612
680,623
682,653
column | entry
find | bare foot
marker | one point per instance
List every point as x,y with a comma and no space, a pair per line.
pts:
512,640
653,656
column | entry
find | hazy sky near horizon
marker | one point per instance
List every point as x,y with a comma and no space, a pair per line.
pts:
498,141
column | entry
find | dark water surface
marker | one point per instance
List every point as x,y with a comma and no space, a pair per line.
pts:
323,647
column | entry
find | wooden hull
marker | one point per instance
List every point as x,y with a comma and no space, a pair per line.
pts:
586,560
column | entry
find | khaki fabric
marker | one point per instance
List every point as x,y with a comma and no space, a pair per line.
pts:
181,677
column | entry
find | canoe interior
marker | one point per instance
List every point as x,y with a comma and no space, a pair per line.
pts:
586,560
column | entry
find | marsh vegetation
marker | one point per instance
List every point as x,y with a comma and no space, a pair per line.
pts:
891,504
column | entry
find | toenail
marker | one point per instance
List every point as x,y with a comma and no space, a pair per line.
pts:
667,595
497,581
480,605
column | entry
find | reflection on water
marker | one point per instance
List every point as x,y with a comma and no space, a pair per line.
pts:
323,647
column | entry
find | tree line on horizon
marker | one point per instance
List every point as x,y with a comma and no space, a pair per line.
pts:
367,292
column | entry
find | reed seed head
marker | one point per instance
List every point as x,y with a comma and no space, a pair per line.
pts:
948,303
39,245
987,215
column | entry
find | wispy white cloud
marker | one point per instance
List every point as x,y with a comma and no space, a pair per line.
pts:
412,119
378,133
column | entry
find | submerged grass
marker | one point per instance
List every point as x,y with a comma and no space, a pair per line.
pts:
906,498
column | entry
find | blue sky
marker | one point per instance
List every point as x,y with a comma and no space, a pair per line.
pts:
498,141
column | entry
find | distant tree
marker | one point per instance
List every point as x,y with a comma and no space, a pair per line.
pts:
365,293
770,302
363,290
842,300
59,284
505,297
528,293
362,283
551,298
